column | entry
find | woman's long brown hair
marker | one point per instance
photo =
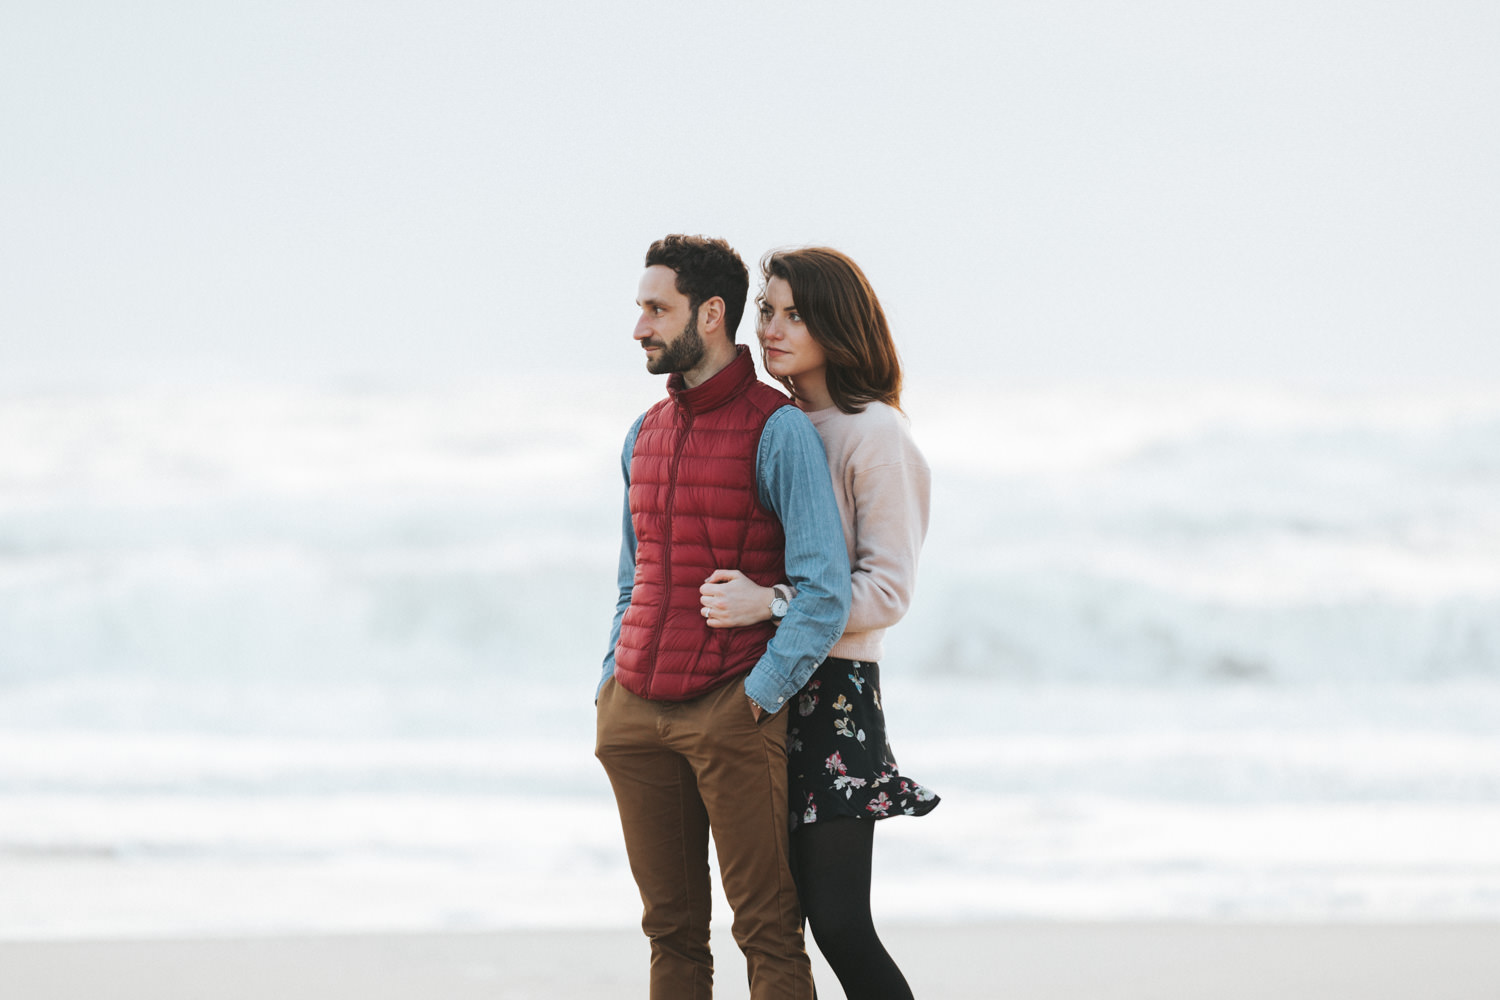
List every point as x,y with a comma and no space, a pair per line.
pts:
845,319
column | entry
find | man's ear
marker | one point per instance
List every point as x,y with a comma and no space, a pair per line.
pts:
711,314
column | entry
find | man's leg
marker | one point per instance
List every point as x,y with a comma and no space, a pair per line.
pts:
666,839
741,770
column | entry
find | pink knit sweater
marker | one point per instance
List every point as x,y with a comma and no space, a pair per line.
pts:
883,487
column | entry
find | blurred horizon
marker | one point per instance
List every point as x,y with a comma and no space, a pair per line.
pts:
1196,655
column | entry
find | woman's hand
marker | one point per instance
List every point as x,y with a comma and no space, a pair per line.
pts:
730,599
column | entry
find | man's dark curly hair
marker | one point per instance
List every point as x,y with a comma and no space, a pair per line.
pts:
705,268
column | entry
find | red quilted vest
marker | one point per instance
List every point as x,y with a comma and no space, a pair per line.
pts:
695,506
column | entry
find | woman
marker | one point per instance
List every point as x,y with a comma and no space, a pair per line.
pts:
824,337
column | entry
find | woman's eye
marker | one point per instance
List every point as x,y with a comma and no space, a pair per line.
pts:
796,317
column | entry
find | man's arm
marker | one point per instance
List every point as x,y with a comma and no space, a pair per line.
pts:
625,575
792,471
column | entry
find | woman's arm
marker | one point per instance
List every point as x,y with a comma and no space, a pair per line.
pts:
890,524
730,599
892,499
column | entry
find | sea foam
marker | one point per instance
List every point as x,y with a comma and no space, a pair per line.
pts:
1224,652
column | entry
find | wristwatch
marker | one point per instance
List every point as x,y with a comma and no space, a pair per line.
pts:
782,602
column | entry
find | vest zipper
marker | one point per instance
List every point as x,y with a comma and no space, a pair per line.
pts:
666,604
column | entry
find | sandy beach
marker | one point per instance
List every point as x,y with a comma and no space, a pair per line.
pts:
1040,961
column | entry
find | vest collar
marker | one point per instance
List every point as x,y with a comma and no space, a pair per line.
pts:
729,382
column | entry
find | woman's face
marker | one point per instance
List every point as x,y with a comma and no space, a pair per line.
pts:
787,347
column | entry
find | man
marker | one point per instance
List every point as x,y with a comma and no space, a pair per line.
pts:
692,721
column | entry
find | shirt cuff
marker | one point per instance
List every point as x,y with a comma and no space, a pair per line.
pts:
770,696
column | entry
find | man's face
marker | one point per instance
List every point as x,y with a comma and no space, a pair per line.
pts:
668,328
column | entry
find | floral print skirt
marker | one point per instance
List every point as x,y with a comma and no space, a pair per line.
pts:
840,763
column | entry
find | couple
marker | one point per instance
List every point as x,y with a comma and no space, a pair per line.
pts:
768,543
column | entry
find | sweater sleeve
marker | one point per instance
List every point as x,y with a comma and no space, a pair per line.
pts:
892,501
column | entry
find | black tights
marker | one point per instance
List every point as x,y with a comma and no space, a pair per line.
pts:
831,863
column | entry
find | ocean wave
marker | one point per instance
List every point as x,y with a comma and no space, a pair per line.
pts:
1243,535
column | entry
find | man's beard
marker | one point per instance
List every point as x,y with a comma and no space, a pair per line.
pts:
682,354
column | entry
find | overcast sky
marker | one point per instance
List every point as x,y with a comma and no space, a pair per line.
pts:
1279,191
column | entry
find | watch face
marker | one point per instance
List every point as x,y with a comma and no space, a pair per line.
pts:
779,607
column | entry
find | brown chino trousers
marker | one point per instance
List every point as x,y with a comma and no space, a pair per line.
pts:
679,771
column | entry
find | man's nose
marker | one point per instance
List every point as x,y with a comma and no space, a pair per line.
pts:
642,329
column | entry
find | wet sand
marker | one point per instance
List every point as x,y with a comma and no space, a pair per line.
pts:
1037,961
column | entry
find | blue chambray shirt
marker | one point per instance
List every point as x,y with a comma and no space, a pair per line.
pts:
791,470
